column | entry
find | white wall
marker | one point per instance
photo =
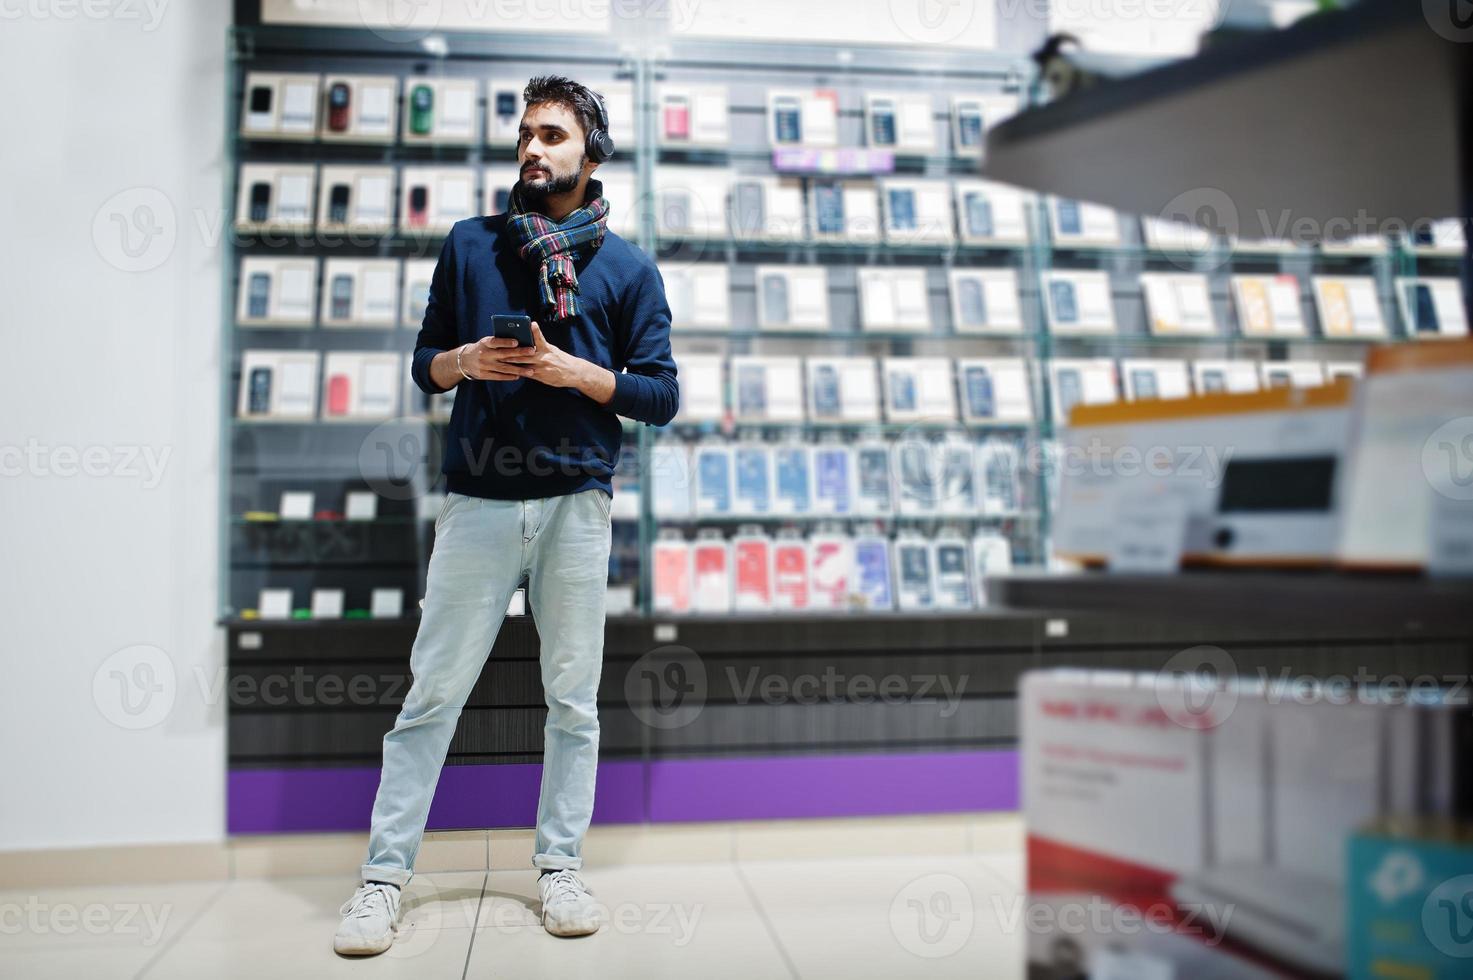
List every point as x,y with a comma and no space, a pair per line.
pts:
100,361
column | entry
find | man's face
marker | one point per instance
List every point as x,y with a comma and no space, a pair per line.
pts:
550,152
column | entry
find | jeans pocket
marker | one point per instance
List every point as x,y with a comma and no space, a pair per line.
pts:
444,508
605,504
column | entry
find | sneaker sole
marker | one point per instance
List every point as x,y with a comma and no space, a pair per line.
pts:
567,931
362,947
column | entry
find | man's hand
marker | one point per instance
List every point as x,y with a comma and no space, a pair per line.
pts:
554,366
484,360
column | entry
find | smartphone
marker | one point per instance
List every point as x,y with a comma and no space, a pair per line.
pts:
828,201
516,326
1061,293
786,119
973,302
874,477
258,113
902,391
1001,486
338,99
969,124
980,400
421,110
677,117
260,201
882,122
826,391
258,295
752,390
902,210
979,216
1425,309
1071,393
1069,221
676,211
775,299
748,208
419,201
337,204
260,391
1143,383
338,389
342,297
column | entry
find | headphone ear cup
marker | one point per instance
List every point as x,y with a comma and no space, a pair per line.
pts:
600,145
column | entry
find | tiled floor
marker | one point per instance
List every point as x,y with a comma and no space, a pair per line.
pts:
937,915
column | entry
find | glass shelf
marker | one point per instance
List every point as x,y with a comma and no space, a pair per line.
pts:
732,519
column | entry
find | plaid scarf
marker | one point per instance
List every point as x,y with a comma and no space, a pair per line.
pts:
553,245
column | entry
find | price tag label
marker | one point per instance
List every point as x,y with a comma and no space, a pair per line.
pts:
1149,535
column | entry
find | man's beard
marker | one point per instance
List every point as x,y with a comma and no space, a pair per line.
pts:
536,195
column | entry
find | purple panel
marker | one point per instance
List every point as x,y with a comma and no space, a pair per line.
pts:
275,801
832,786
267,801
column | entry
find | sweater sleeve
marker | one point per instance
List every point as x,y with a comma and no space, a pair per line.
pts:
647,390
439,331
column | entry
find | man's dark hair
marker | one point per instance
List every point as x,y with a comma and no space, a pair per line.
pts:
556,88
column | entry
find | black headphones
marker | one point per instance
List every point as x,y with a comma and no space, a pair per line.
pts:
599,145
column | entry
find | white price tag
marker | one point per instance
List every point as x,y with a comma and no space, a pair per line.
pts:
296,505
327,603
386,604
362,505
275,604
1149,535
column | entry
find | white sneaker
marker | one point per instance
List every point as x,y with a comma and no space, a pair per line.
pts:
568,908
368,920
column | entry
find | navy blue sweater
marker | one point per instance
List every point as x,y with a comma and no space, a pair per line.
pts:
514,440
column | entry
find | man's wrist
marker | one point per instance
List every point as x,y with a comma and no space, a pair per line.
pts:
596,381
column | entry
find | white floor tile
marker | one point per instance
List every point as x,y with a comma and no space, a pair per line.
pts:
671,920
891,917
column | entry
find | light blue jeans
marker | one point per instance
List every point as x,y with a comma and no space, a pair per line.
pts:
482,550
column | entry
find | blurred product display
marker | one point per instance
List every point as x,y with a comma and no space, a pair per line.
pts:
845,305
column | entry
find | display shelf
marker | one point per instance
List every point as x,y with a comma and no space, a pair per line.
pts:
271,454
1394,603
879,428
882,519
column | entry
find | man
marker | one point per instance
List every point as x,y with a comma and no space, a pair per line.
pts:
533,440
